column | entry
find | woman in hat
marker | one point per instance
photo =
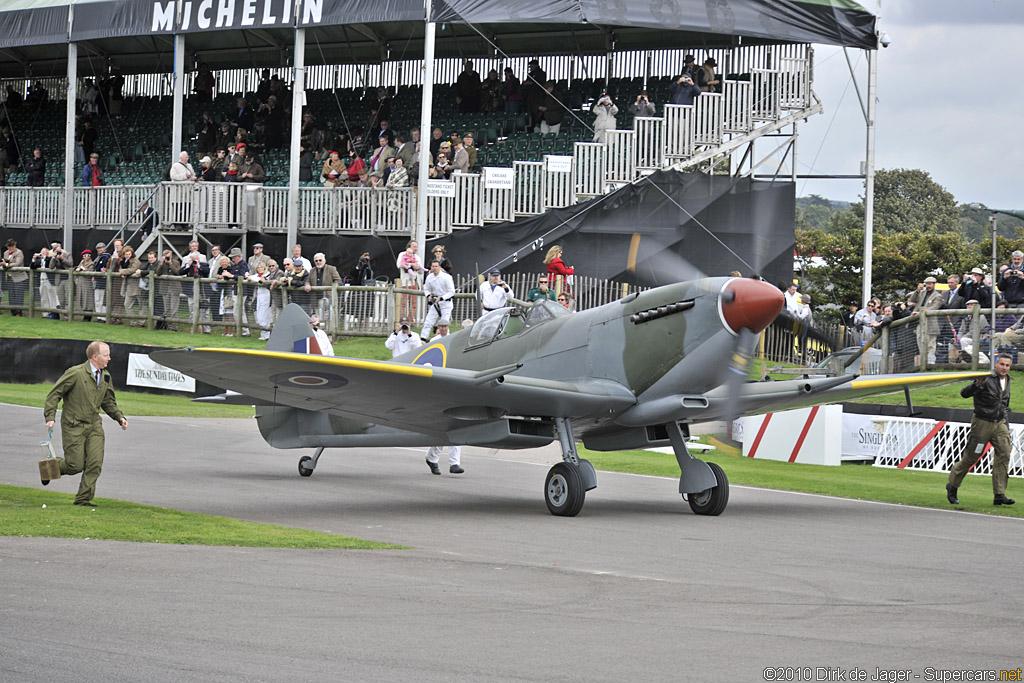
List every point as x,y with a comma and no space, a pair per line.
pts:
207,172
84,299
334,171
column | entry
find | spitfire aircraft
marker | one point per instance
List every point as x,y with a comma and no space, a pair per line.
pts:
634,373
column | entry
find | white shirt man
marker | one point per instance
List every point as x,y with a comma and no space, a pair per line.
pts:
193,248
182,170
443,327
297,256
793,299
401,341
495,293
439,289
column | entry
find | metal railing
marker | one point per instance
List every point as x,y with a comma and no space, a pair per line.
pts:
595,168
239,306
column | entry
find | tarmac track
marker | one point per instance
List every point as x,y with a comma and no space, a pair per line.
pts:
635,588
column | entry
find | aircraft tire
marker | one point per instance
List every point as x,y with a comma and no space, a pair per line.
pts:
563,490
303,470
712,502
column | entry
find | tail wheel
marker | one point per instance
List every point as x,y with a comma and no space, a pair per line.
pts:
305,470
712,501
563,490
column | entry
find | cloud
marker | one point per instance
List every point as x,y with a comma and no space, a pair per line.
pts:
943,107
951,12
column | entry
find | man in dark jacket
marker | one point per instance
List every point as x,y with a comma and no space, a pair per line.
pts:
36,168
551,110
683,90
1011,282
989,425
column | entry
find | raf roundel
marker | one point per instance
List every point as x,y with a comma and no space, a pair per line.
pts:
309,380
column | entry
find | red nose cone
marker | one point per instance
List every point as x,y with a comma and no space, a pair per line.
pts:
752,304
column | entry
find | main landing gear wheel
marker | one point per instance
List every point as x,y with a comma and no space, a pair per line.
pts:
711,501
563,490
303,469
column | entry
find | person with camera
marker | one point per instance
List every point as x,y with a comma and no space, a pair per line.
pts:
402,340
604,111
442,170
684,90
1011,282
989,425
495,293
43,259
195,267
643,106
361,274
439,288
975,288
167,298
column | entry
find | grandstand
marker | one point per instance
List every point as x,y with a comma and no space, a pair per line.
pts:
767,91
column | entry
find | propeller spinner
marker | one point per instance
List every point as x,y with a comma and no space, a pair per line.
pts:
749,304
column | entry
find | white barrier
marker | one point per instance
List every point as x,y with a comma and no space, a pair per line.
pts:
559,189
498,185
590,159
764,105
621,156
708,119
806,436
737,107
794,83
650,142
529,187
678,131
467,200
935,445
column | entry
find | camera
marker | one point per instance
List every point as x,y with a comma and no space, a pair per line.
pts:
405,328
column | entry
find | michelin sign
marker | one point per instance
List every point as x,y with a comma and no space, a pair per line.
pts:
200,15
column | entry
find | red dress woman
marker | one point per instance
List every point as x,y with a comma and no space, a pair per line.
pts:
557,270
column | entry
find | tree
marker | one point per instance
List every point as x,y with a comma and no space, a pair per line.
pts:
908,200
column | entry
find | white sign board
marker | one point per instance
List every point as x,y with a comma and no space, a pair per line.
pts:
499,178
145,372
559,164
805,435
862,436
441,188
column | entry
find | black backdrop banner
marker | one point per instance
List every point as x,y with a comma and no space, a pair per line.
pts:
712,224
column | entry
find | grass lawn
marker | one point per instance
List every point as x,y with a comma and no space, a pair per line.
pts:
39,328
863,482
131,403
32,512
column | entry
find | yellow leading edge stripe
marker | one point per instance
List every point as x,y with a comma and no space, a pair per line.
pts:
378,366
922,379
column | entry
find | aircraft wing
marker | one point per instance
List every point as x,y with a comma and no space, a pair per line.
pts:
756,398
425,399
761,397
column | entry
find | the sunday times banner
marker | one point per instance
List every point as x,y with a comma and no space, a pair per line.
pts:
144,372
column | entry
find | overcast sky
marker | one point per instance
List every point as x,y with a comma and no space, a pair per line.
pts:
950,102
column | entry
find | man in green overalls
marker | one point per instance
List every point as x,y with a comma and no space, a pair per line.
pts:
84,389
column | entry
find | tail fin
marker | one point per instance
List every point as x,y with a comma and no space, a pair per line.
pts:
292,332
